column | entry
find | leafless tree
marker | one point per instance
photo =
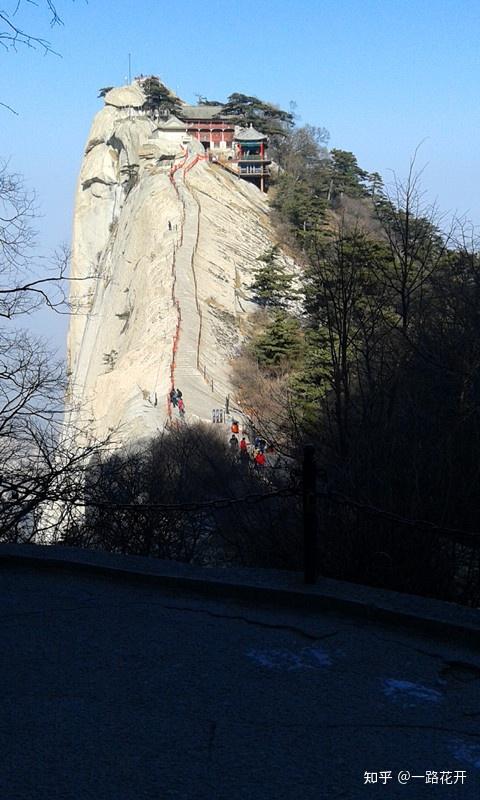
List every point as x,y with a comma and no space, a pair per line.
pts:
26,282
186,496
12,32
41,464
416,242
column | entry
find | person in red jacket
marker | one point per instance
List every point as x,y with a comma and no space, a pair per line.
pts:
260,460
244,455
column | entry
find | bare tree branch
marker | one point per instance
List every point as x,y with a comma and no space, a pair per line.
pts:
13,34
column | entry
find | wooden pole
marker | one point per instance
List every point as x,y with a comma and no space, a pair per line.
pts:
309,475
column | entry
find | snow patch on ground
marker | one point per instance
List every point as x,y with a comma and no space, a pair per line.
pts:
466,752
307,658
398,689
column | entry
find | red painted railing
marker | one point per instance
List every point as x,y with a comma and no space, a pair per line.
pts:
175,302
176,337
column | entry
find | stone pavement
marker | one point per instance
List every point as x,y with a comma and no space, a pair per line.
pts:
114,689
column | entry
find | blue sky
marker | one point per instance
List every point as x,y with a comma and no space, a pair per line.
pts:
380,76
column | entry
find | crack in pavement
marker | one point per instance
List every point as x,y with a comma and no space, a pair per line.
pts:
272,626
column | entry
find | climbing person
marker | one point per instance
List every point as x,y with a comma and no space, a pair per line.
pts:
233,443
260,460
244,454
181,407
169,225
174,397
234,427
179,393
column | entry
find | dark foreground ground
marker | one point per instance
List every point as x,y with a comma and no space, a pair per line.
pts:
111,689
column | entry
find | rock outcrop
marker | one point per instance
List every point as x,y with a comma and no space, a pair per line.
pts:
164,245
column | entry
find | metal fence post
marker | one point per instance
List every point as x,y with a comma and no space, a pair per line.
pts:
309,480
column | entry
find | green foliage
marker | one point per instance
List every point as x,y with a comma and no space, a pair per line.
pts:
342,273
299,204
346,175
375,184
311,377
159,97
280,344
302,188
386,381
266,117
312,180
272,285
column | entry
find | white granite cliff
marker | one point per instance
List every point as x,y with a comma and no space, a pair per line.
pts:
164,246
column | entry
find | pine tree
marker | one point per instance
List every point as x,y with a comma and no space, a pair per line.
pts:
272,284
158,96
300,204
281,343
347,176
265,117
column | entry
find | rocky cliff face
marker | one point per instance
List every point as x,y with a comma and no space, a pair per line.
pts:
164,246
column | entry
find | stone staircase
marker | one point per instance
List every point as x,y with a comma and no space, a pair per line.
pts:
197,395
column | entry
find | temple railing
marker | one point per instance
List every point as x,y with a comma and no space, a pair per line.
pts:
252,157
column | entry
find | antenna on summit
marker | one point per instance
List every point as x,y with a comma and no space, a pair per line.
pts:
129,67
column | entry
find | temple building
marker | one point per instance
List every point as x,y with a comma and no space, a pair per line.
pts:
251,156
206,124
242,151
173,129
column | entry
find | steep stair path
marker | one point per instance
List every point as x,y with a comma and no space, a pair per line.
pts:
197,393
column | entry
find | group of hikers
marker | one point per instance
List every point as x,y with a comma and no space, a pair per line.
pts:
245,450
176,399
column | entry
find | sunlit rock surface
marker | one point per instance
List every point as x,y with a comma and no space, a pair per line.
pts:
164,247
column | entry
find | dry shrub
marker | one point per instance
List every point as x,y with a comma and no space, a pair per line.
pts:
186,496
